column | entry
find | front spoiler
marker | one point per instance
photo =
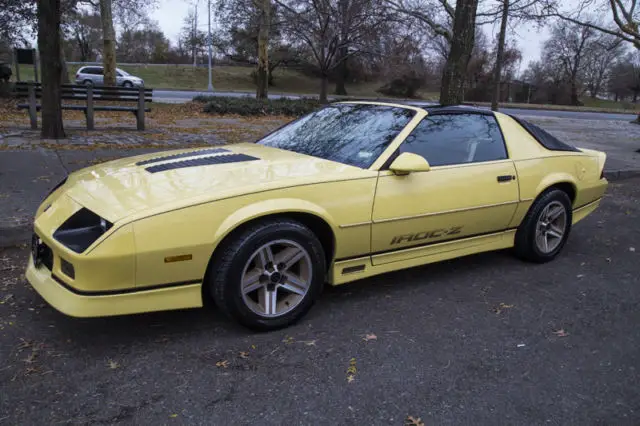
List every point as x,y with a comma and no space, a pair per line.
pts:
81,305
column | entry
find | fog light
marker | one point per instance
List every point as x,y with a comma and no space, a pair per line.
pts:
67,269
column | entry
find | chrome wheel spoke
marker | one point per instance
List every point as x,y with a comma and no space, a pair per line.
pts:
251,281
554,233
269,301
295,285
265,257
552,215
289,256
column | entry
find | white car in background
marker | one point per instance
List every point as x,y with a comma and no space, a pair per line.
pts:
93,75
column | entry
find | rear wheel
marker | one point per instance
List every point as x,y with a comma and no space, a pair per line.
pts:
269,275
88,83
546,227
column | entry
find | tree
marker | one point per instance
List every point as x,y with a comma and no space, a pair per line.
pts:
331,30
497,74
84,32
191,38
262,71
49,13
17,20
109,43
567,47
624,13
462,41
601,55
147,45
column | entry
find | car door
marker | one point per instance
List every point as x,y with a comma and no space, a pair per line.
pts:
471,189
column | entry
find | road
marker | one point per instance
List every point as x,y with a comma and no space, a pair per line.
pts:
177,96
483,340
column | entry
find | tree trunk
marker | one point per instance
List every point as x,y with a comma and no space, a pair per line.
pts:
497,74
51,68
109,43
324,84
574,93
343,73
262,91
64,78
463,39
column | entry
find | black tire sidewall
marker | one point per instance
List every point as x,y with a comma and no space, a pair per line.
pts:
526,240
231,273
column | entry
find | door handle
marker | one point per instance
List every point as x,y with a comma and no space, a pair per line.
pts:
506,178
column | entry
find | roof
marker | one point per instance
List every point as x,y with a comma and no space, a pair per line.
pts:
433,107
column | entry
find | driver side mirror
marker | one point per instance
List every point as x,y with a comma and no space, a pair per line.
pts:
407,163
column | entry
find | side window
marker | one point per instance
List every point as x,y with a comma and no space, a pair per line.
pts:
456,139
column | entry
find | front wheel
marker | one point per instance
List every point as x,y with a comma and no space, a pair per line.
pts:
128,84
545,229
269,275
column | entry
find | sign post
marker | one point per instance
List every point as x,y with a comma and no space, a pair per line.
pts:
26,57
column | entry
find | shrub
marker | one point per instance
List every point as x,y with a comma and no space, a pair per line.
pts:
405,86
250,106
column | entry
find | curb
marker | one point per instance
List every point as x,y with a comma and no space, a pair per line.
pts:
21,234
621,174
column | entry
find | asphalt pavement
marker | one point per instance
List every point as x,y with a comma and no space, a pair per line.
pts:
180,96
482,340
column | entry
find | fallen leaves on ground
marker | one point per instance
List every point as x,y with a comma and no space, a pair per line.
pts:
222,364
352,370
561,333
413,421
244,355
369,336
501,308
113,365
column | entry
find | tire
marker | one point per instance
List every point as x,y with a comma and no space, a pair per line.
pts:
537,237
127,84
88,83
242,279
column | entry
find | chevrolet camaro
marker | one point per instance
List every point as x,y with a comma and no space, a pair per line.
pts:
352,190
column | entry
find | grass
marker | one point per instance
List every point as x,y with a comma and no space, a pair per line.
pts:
289,81
225,78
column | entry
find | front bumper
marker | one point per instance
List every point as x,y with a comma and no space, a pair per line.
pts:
71,303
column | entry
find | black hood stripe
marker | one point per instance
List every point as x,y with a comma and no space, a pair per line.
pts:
201,161
183,155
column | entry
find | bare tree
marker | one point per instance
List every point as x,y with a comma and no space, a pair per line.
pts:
568,47
109,43
332,30
600,58
625,16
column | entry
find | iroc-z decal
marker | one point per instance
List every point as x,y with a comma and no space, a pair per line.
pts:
425,235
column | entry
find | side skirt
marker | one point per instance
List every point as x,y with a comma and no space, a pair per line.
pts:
367,266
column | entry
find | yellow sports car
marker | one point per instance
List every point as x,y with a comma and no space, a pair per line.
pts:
352,190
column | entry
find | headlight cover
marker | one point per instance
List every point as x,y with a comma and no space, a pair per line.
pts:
81,230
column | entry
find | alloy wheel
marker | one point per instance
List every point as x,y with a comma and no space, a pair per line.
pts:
551,227
276,278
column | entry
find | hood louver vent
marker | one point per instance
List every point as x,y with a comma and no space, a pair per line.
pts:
183,155
201,161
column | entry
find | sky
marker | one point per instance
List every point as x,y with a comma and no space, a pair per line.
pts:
171,13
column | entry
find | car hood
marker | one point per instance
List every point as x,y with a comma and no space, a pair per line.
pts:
168,180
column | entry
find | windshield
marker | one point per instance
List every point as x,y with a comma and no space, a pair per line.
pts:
122,72
354,134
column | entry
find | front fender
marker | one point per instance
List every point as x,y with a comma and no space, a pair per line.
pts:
271,207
